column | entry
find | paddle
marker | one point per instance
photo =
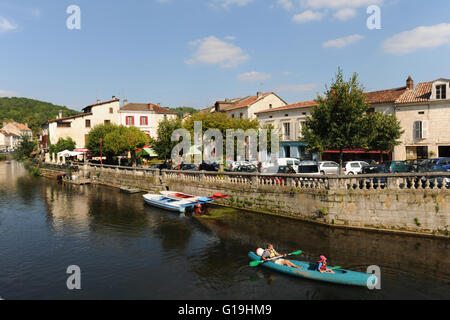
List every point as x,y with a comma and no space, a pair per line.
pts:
257,263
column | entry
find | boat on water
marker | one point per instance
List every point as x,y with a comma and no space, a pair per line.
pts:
171,203
127,189
309,271
181,195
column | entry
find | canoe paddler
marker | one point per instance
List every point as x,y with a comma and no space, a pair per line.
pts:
269,253
322,265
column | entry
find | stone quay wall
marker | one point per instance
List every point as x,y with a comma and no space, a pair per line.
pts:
417,203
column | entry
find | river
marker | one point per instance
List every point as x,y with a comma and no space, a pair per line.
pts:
128,250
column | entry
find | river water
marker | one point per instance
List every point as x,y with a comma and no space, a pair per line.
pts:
128,250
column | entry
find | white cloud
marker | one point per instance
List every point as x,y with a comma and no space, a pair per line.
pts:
307,16
343,42
211,50
418,38
6,93
345,14
338,4
297,87
285,4
6,25
226,4
254,76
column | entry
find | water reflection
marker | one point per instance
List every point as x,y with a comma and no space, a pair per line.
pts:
127,249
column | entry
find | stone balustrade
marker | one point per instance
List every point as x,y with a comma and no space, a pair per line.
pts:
422,181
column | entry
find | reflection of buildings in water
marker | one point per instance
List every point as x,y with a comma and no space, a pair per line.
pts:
9,173
65,206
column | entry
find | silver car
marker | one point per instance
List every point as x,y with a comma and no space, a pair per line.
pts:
328,167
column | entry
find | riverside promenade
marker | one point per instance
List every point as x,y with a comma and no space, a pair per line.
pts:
416,203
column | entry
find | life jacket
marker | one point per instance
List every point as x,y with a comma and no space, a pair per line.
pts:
323,265
272,253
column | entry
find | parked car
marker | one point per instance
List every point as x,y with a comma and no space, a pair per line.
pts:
414,164
354,167
398,166
375,169
189,167
438,164
278,169
328,167
212,166
246,168
292,162
309,167
161,166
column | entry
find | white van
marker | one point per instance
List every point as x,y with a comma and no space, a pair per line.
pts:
292,162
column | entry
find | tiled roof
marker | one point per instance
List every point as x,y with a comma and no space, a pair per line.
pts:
102,103
298,105
384,96
71,117
146,107
422,93
248,101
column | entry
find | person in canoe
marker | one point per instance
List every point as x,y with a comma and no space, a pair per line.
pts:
322,265
270,253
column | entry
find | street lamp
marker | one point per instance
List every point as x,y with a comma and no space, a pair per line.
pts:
101,155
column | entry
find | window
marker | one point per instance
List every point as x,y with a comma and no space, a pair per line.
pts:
441,91
111,110
130,121
88,123
63,125
107,121
420,129
232,116
371,111
241,115
287,130
144,121
421,112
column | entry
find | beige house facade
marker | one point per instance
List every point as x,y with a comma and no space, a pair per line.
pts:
423,111
11,133
145,116
77,127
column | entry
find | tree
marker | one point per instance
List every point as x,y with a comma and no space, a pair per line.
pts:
338,121
25,147
123,139
386,131
93,140
163,145
63,144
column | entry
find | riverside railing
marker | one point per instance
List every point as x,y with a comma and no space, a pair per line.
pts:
398,181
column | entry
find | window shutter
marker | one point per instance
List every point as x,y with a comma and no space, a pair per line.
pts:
416,129
425,129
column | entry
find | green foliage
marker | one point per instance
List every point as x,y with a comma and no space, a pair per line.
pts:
181,111
32,112
339,120
93,140
385,131
25,147
123,139
163,145
63,144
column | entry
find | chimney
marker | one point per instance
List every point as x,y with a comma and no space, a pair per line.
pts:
159,104
259,94
60,114
113,97
410,83
125,102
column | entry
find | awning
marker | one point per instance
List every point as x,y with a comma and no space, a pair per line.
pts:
358,151
67,153
147,151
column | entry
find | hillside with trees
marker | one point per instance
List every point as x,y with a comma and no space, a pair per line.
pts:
32,112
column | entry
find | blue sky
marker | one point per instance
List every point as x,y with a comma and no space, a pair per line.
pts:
194,52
